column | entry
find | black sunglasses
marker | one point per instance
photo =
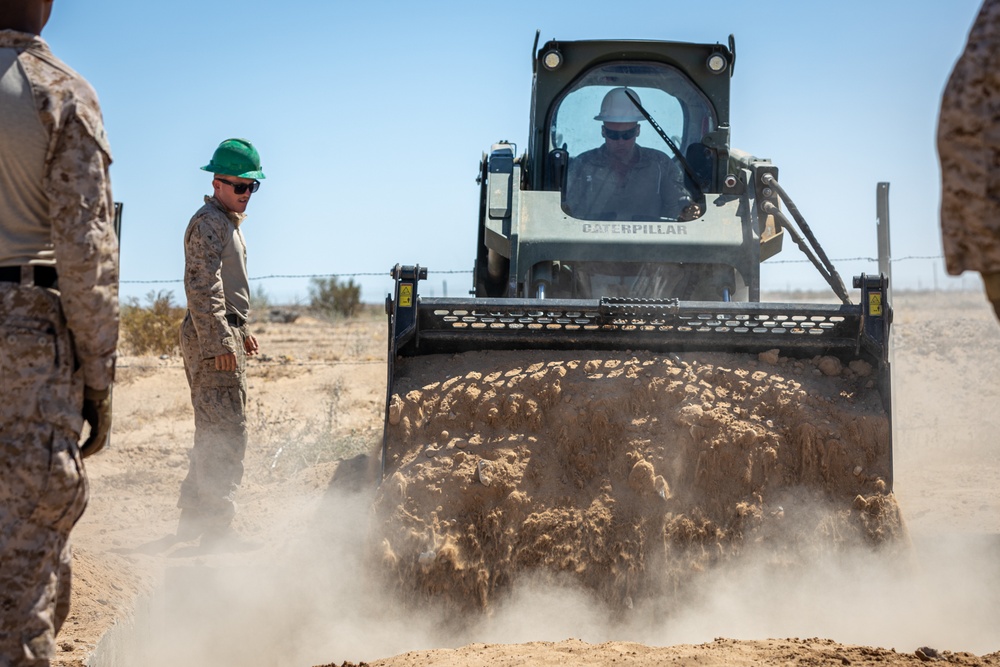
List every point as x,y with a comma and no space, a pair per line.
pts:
621,135
240,188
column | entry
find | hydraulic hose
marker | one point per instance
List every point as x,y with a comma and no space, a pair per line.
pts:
831,277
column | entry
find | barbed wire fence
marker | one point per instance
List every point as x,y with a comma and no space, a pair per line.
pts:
858,259
385,274
933,277
267,361
273,276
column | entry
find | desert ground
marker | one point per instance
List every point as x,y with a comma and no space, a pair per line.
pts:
314,594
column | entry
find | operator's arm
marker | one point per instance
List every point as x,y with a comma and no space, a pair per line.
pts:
678,201
203,246
84,240
587,187
573,190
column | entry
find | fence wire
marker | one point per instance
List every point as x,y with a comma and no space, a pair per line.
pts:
469,271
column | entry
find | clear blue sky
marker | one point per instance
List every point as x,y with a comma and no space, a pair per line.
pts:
371,118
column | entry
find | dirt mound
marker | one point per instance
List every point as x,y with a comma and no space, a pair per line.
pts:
627,473
719,653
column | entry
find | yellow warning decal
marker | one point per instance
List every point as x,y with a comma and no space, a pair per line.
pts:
875,304
405,295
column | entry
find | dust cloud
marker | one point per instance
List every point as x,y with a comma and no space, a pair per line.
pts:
318,604
623,541
300,600
946,597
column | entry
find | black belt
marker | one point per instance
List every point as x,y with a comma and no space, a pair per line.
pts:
44,276
235,320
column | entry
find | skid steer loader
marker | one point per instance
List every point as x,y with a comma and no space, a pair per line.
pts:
547,277
571,255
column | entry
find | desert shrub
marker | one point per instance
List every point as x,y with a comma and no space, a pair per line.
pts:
296,442
333,297
154,328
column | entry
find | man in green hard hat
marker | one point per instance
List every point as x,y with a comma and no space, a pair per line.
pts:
215,343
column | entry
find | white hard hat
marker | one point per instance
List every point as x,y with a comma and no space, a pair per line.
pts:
618,108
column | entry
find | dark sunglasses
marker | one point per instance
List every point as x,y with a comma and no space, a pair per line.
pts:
621,135
240,188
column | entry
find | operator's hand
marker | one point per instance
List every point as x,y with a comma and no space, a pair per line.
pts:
226,362
97,413
691,212
250,345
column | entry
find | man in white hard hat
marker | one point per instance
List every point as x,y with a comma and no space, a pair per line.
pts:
621,180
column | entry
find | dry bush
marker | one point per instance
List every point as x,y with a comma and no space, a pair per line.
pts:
332,297
293,442
154,328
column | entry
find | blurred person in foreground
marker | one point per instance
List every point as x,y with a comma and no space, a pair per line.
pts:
969,150
215,343
58,323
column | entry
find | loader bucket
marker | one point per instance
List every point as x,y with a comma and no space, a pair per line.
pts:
850,332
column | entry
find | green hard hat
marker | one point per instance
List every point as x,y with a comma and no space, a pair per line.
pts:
236,157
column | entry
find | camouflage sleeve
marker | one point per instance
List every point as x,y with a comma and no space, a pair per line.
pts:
969,151
85,244
206,300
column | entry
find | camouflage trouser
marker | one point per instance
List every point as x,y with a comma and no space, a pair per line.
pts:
43,487
219,399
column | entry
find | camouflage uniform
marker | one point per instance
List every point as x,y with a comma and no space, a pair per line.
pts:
218,295
600,188
56,210
969,150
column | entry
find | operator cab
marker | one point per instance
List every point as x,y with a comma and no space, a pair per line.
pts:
612,164
616,165
625,189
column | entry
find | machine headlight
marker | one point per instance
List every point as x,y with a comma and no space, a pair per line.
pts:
552,60
716,63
